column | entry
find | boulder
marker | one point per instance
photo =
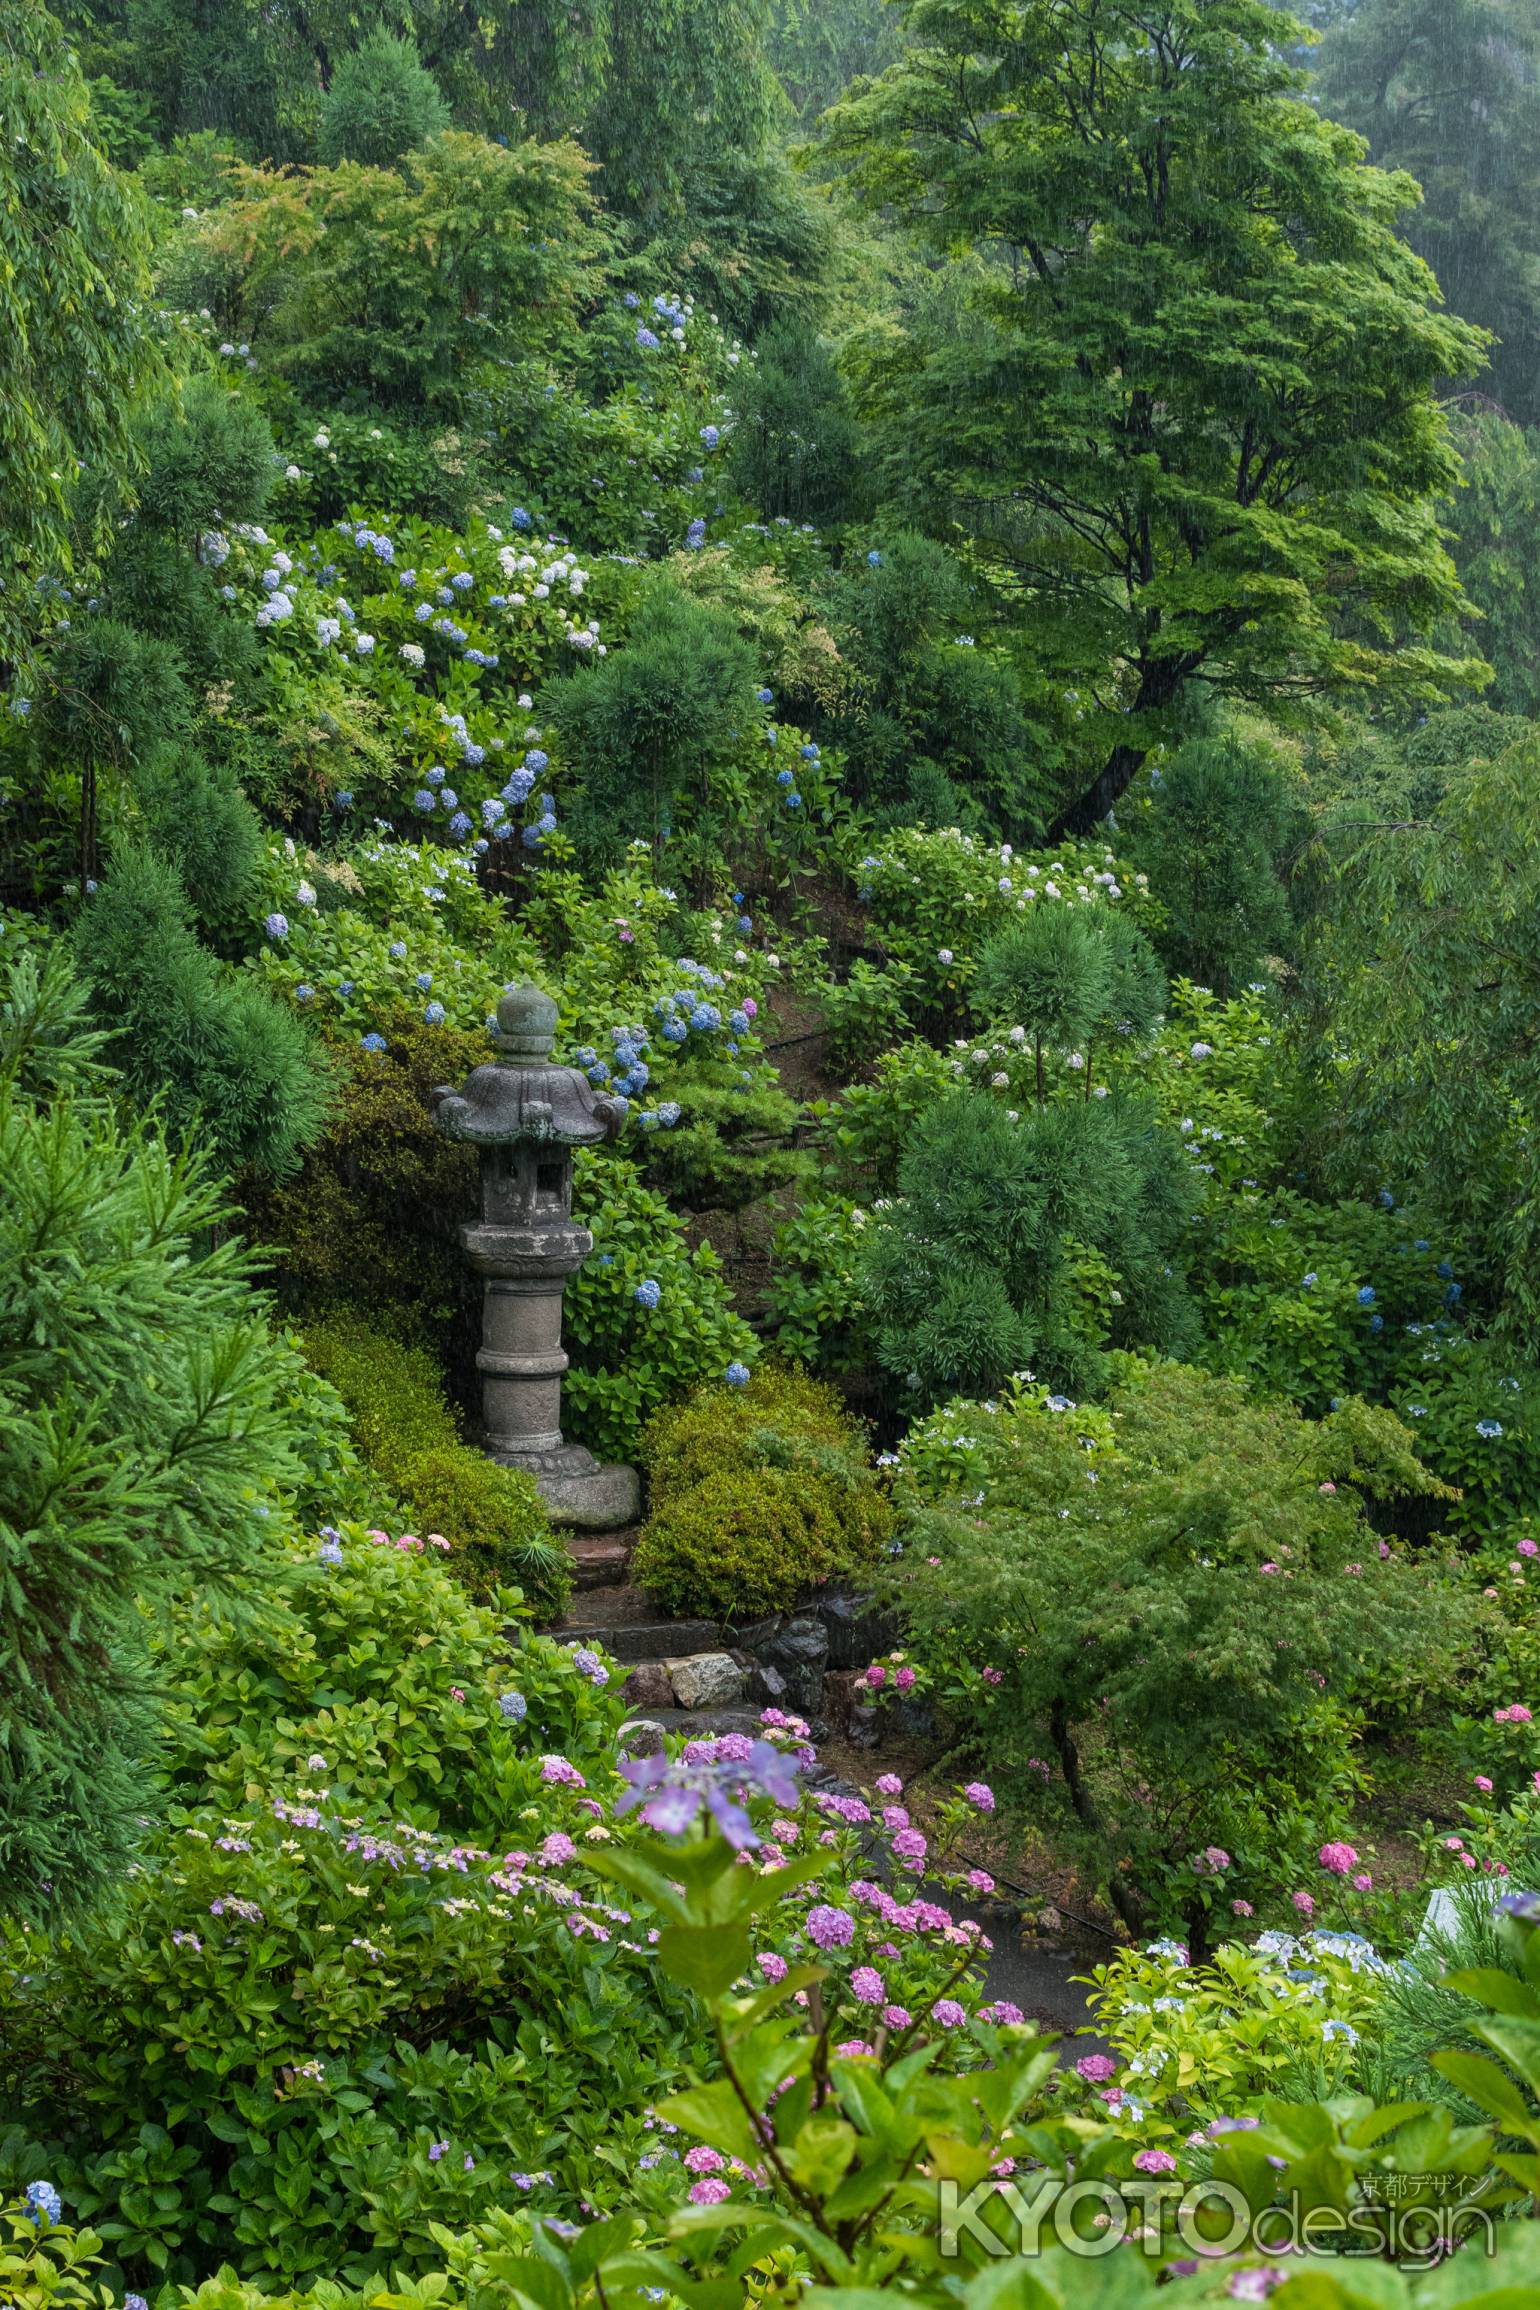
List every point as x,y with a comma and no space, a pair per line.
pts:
641,1738
768,1686
706,1680
796,1646
648,1687
857,1628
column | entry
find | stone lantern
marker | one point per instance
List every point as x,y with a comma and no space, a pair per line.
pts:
524,1117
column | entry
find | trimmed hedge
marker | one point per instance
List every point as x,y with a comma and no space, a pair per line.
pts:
758,1495
492,1517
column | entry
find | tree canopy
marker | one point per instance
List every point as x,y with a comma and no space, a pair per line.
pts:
1183,381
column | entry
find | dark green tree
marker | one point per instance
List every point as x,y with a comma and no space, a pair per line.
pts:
1072,978
382,103
646,727
1208,833
1422,978
794,440
968,1271
1449,90
232,1070
145,1437
75,319
1178,370
1495,519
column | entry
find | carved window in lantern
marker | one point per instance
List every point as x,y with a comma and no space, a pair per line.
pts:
553,1184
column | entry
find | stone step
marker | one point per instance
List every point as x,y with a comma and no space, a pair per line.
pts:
646,1640
599,1560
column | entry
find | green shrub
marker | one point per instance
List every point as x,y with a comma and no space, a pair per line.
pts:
232,1068
746,1542
382,102
690,1441
492,1517
759,1494
147,1435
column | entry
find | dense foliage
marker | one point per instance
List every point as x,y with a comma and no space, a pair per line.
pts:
956,583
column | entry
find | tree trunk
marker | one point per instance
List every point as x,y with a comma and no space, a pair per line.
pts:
1085,1809
1122,767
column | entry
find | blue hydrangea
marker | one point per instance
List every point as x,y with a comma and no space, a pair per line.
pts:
669,1112
537,759
589,1664
343,798
433,1016
1376,1323
794,802
675,1031
423,612
425,980
598,1074
785,777
43,2203
1490,1429
448,798
372,1042
710,435
276,926
330,1552
648,1294
345,988
1366,1295
737,1375
462,580
646,340
437,775
406,578
809,752
695,535
705,1018
521,517
874,559
460,824
765,697
396,949
304,993
512,1707
739,1022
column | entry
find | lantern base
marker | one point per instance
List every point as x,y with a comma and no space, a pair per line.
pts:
576,1489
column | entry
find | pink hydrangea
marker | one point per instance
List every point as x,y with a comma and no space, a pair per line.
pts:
948,2013
854,2048
895,2017
1096,2068
1516,1713
910,1846
1337,1859
992,1675
874,1677
1304,1903
558,1773
709,2193
889,1785
830,1928
895,1817
866,1985
1242,1909
1483,1784
1363,1882
557,1848
702,2160
1529,1547
980,1796
903,1679
1004,2013
771,1965
980,1881
1154,2162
